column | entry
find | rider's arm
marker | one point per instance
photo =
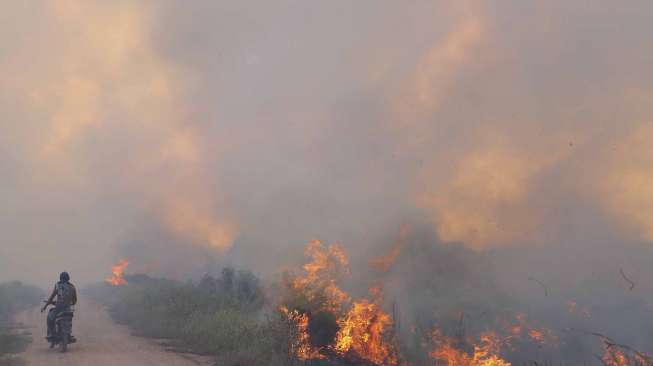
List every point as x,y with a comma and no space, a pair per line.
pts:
54,293
49,300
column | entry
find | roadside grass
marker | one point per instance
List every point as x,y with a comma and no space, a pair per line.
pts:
12,361
12,343
226,317
14,297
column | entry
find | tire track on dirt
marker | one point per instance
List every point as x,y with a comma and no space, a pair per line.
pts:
101,342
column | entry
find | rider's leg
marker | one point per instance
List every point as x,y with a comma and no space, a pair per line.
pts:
51,318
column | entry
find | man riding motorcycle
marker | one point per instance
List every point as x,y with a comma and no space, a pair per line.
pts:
66,295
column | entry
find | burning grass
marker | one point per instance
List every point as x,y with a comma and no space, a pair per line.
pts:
311,320
450,352
336,328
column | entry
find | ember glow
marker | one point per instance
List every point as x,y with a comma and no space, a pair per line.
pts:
574,308
524,328
117,273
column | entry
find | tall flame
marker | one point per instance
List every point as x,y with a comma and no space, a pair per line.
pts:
362,330
327,265
316,290
117,272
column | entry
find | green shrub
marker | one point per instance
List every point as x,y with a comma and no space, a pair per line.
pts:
221,316
12,343
221,331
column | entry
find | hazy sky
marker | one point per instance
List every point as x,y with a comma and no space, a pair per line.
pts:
243,129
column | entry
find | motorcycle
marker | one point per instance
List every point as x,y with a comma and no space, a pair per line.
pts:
63,327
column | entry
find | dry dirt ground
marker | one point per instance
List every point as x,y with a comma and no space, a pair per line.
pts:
100,343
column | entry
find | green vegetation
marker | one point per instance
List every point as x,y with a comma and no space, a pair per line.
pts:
14,297
225,317
11,343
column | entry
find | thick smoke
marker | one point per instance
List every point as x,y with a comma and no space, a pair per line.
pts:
186,136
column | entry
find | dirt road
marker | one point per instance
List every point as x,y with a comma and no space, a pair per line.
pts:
100,343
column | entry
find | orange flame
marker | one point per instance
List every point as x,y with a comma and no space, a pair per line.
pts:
317,286
523,327
619,355
362,331
327,266
385,263
613,356
301,347
485,353
117,272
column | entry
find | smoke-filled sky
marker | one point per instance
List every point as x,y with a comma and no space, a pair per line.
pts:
191,132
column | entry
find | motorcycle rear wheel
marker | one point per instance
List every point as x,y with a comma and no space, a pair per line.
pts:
63,344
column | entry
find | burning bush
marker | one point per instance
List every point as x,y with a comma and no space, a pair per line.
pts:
363,332
314,302
316,289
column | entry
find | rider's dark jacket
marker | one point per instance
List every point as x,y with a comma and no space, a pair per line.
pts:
66,297
66,294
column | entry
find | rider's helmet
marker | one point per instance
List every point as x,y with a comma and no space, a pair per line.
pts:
64,277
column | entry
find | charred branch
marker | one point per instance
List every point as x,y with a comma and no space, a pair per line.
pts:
546,290
630,282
